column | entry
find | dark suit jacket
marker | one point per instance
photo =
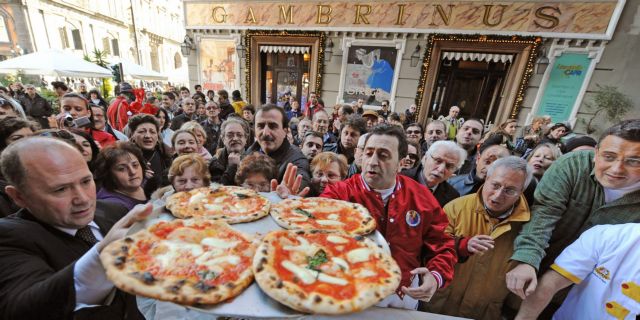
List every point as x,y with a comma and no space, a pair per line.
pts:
444,192
36,277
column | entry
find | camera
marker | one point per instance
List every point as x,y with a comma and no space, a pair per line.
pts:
68,120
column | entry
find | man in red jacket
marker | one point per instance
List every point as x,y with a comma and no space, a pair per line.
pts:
407,215
119,111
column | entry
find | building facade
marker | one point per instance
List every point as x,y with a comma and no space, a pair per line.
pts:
145,32
496,61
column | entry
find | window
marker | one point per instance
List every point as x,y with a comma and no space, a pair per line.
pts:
63,37
177,61
4,34
106,48
115,47
77,39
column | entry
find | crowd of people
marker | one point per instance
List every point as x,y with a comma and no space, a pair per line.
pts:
473,218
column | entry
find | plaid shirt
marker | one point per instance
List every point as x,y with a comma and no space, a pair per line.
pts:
568,201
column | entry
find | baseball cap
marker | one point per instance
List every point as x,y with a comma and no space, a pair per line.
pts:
370,113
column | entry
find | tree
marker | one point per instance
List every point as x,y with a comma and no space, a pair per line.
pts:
100,58
614,103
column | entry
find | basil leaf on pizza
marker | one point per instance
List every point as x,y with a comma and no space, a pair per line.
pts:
323,272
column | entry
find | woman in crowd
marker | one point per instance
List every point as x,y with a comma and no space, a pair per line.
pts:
532,134
184,142
10,108
89,147
542,157
163,122
502,135
556,132
119,171
144,133
77,107
414,154
415,134
201,138
13,129
256,172
187,172
201,111
96,99
326,168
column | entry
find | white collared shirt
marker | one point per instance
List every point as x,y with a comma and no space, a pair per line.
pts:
89,277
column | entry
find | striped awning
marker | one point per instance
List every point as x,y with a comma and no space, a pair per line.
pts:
284,49
477,56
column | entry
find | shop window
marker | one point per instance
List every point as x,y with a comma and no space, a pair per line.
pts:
106,48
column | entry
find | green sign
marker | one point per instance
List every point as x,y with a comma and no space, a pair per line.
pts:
566,79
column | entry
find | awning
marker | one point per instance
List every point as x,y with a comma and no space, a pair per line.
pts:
477,56
284,49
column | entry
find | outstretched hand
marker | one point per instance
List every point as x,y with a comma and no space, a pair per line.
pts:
290,184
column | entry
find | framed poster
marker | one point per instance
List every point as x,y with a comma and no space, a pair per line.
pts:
566,79
218,64
370,70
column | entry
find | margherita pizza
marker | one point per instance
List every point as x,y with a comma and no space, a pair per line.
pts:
323,214
183,261
228,203
322,272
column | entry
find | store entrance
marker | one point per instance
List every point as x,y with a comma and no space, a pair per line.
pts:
474,86
285,74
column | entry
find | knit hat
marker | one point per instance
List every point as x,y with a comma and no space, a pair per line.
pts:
579,142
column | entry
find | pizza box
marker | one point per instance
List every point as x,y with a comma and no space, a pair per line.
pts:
252,302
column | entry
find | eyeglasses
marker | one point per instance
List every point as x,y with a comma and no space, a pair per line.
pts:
412,156
414,132
511,192
448,165
631,162
213,108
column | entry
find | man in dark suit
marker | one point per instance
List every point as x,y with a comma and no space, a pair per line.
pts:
439,163
49,250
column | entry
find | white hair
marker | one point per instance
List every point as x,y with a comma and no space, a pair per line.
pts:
513,163
363,139
451,147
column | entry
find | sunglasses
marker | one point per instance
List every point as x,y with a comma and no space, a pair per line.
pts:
414,132
413,156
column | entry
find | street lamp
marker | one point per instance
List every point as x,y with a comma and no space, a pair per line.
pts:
542,62
415,56
240,49
328,51
187,46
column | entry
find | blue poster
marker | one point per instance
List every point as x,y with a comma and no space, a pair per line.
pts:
565,81
369,74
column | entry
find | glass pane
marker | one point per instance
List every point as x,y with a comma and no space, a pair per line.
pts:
287,83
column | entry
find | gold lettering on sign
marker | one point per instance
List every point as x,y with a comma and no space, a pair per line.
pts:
553,21
361,15
445,18
219,18
324,14
251,18
400,19
286,16
487,15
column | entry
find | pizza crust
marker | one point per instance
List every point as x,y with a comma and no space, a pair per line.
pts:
290,294
367,223
116,258
190,204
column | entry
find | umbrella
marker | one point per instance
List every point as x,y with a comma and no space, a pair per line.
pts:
56,63
136,71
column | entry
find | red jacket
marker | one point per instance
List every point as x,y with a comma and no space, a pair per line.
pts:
139,107
411,246
117,113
